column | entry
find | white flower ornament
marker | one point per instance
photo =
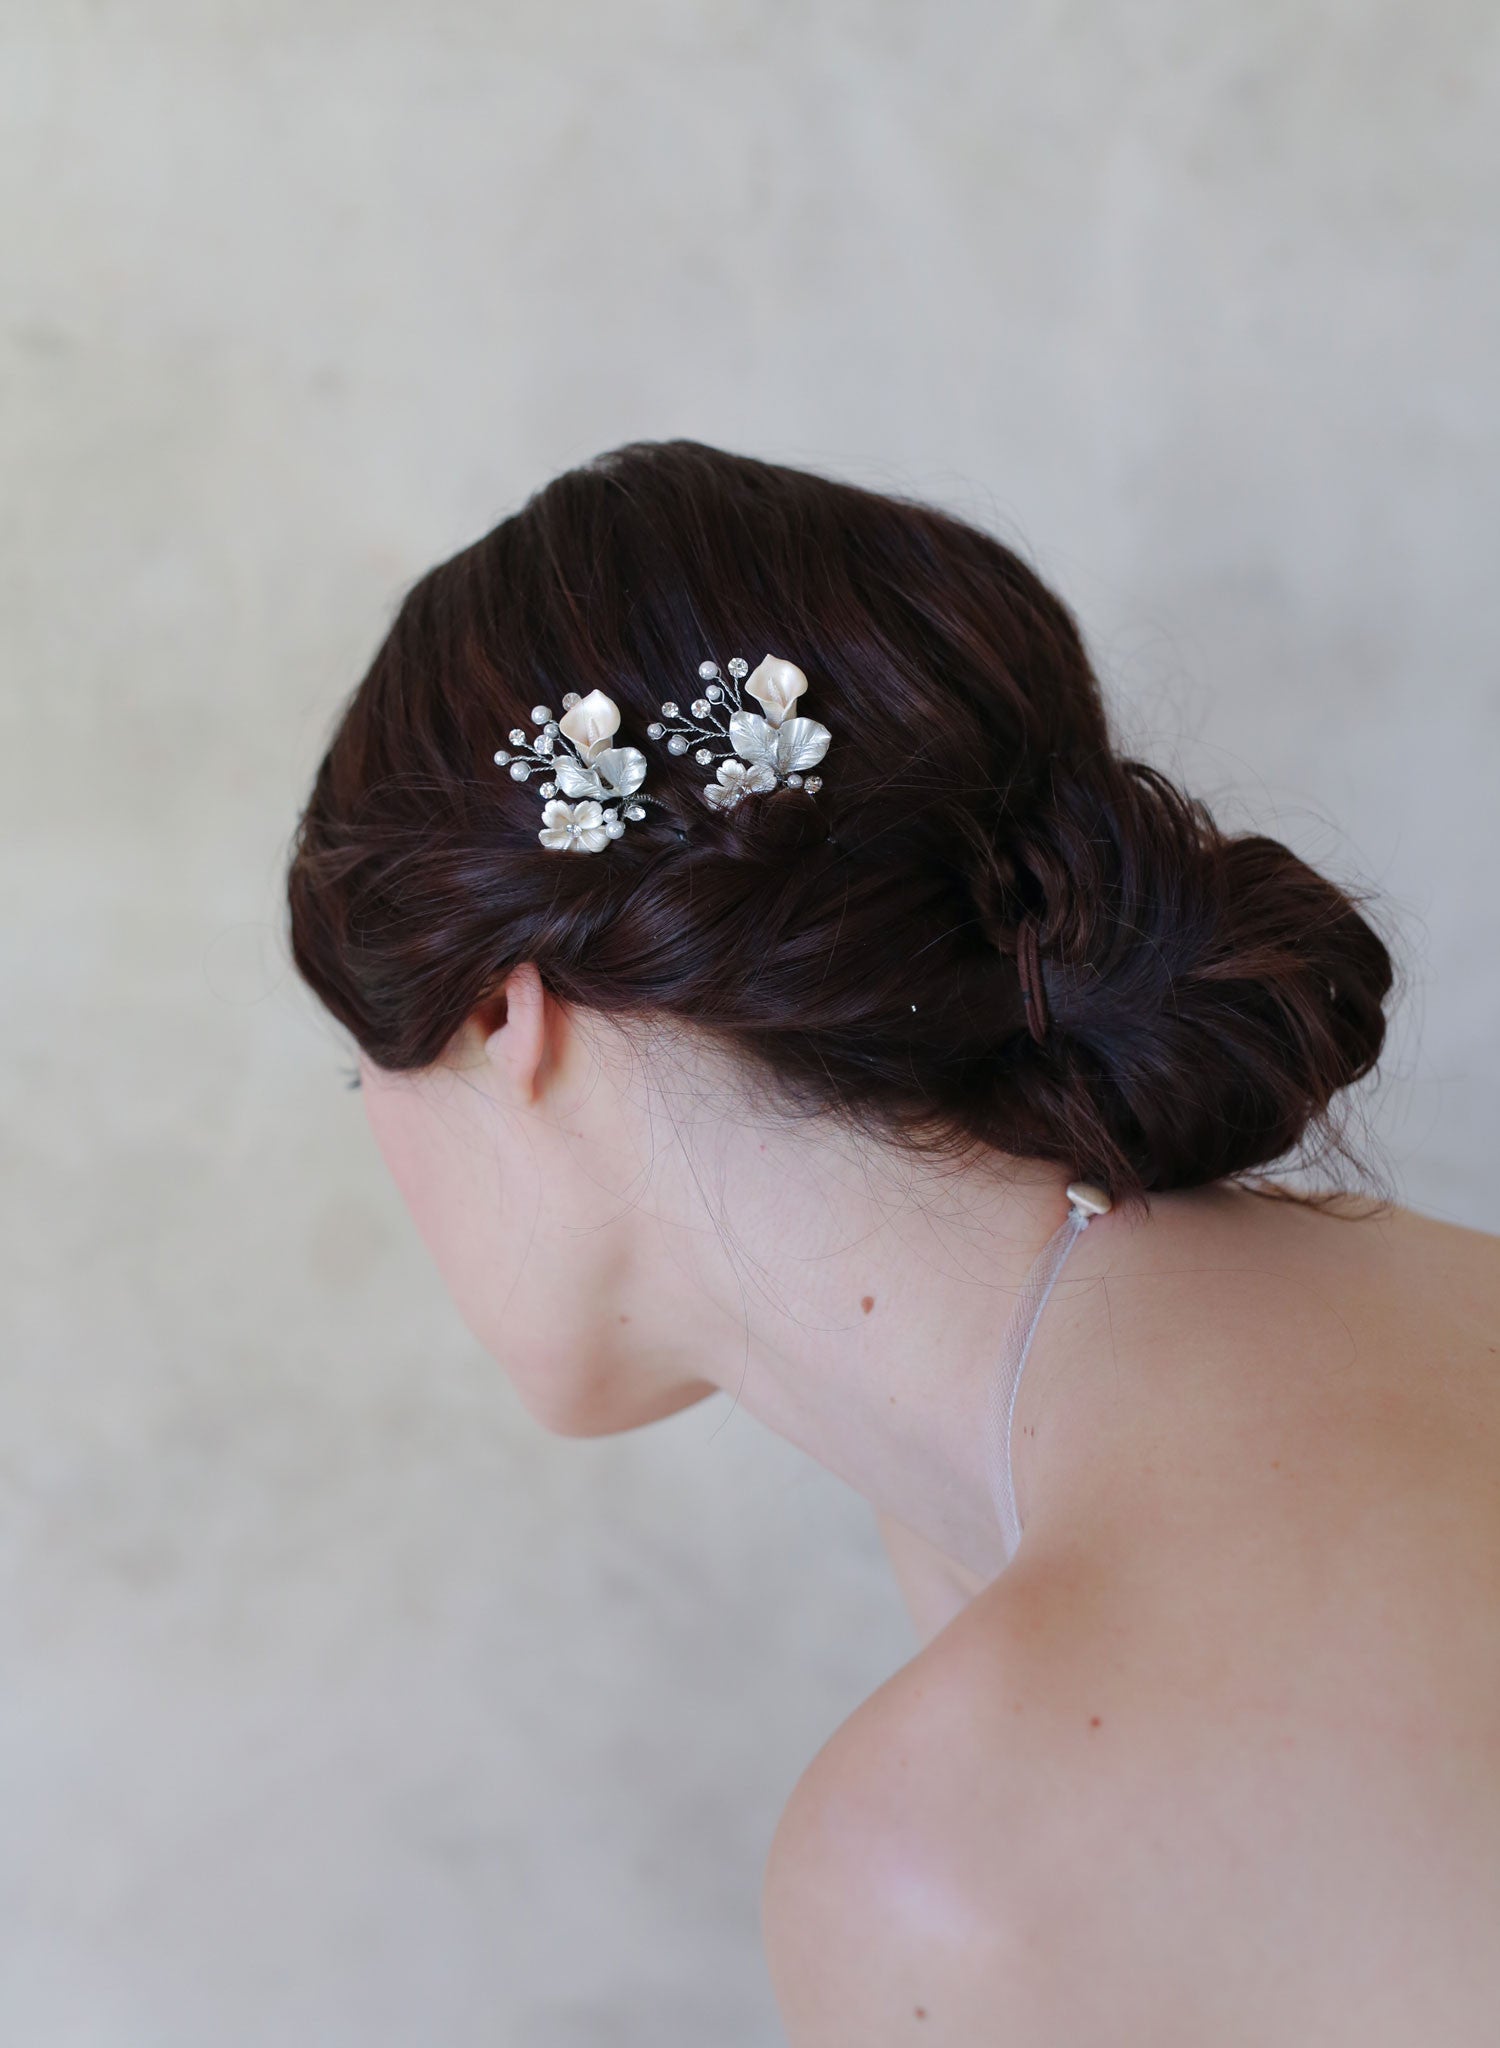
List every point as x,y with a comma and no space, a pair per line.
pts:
775,749
574,828
737,779
598,781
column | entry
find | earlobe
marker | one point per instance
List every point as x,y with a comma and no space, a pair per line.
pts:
517,1045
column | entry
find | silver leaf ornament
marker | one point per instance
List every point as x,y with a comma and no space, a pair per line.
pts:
621,769
617,771
788,748
574,780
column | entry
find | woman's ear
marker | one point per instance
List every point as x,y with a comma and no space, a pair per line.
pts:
517,1044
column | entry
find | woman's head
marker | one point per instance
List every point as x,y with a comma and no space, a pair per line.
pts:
854,950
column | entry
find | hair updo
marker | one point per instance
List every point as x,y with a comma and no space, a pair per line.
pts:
1202,997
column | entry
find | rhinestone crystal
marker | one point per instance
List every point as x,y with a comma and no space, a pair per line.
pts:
547,788
635,810
813,783
669,711
544,743
738,668
707,669
699,707
570,700
677,744
518,736
703,757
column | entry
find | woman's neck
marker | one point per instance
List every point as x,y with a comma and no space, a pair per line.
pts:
855,1301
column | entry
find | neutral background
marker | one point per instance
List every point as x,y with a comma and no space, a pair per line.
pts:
339,1706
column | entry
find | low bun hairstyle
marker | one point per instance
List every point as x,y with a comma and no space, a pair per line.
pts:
1197,999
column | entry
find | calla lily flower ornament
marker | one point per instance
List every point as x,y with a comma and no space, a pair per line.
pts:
593,787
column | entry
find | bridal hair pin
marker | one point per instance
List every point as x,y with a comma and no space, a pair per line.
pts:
761,752
591,787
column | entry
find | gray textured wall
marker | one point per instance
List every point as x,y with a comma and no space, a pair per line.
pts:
337,1705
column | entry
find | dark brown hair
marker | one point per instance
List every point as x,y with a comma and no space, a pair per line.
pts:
1205,995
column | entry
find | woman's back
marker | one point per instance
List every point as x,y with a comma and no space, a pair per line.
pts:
1217,1757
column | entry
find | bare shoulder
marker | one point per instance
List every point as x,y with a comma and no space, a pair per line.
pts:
1220,1762
868,1928
930,1878
1033,1834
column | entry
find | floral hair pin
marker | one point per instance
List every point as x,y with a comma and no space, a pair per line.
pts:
761,752
591,787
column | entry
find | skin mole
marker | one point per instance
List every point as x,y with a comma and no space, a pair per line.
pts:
867,1302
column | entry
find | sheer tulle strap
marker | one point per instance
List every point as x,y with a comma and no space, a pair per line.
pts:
1019,1331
